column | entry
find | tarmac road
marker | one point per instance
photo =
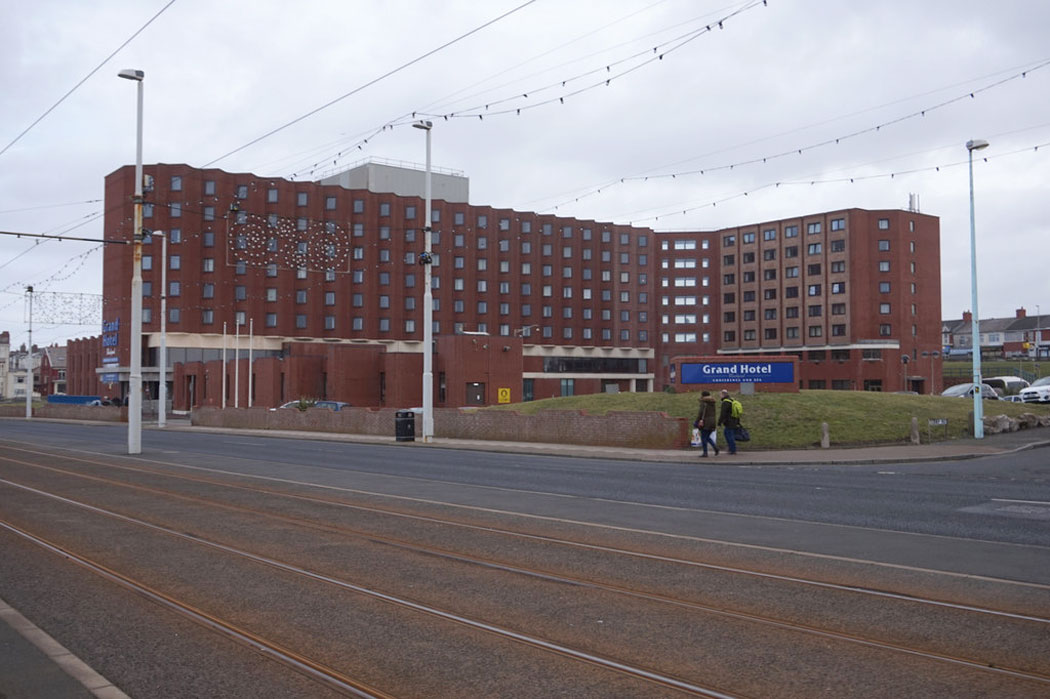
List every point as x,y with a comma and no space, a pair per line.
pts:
972,530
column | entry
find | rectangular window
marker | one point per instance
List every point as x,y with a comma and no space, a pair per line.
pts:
838,287
812,228
814,248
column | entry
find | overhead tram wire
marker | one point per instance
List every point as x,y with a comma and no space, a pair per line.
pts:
372,82
481,110
358,141
655,54
85,78
971,94
838,180
51,206
435,104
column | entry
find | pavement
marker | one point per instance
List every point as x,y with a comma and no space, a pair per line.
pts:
1005,443
34,665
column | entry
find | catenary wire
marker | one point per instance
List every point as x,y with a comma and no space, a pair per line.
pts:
372,82
85,78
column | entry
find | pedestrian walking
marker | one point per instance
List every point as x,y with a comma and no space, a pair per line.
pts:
729,418
707,421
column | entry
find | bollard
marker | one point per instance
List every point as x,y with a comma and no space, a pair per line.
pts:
915,430
825,440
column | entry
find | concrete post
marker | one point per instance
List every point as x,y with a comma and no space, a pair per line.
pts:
825,438
915,430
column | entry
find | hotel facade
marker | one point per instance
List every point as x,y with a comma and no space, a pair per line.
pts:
321,283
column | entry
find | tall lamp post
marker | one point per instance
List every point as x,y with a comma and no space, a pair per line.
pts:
428,301
162,359
29,359
135,375
975,329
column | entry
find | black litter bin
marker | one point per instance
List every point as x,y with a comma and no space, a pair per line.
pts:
405,426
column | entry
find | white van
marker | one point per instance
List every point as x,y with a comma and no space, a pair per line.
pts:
1006,385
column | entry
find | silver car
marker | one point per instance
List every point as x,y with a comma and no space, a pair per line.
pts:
965,390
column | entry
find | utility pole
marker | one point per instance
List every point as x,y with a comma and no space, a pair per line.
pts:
29,359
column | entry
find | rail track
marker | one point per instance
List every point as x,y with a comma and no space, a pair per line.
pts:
105,489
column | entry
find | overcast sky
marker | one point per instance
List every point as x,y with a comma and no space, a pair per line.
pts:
774,79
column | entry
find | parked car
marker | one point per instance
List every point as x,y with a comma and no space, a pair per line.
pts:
1038,392
965,390
1012,399
334,405
1006,385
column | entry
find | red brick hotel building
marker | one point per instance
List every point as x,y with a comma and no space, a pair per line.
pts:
325,278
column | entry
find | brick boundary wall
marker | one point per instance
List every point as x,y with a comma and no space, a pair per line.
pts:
100,413
639,430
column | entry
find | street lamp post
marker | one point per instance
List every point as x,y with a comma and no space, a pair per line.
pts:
162,360
933,355
135,345
975,328
428,300
29,359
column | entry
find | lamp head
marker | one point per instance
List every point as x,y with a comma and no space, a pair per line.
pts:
132,74
425,125
976,144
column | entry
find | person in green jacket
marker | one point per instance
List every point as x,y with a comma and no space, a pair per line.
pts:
729,422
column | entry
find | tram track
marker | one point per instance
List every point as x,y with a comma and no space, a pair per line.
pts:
546,575
548,539
302,663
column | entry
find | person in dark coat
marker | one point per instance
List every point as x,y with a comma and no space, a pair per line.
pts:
728,422
707,420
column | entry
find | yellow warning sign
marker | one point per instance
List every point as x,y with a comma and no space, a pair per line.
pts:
503,395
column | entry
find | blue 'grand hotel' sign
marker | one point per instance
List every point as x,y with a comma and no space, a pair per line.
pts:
738,372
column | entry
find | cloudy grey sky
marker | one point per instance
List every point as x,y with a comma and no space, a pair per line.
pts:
774,79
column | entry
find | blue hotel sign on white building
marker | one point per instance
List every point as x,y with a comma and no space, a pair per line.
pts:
737,372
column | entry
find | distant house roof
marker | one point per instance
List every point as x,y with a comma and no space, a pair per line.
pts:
56,357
